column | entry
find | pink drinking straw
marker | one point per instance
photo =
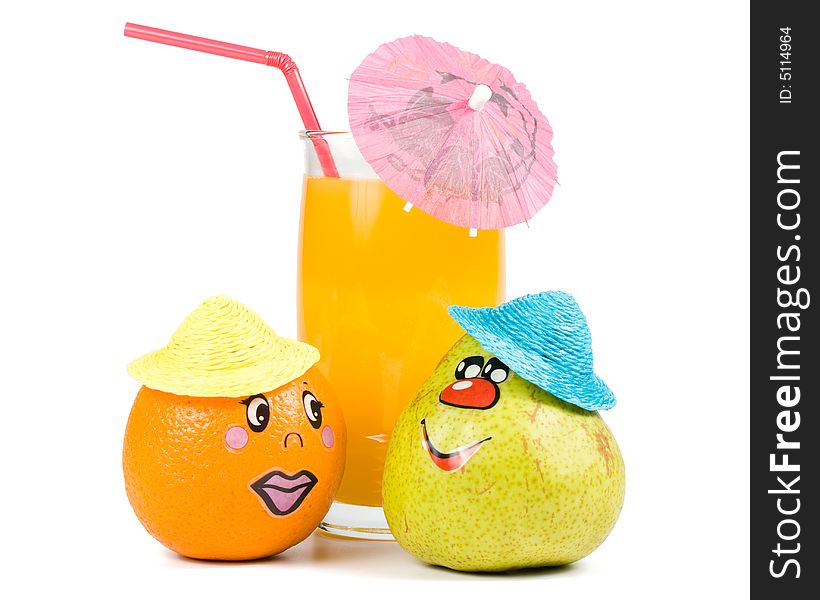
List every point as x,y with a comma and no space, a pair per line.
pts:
278,60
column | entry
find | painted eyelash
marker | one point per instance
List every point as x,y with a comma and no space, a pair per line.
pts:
247,401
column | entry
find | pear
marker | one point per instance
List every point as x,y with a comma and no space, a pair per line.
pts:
487,472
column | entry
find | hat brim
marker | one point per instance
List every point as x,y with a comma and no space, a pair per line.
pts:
497,334
161,371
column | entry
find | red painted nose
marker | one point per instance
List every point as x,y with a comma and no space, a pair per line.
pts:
470,393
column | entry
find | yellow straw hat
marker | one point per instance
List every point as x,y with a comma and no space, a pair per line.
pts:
223,349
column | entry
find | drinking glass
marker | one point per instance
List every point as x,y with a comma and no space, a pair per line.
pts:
374,284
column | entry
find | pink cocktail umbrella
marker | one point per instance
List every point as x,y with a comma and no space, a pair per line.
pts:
451,133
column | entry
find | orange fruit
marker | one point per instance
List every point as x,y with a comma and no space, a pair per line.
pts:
234,478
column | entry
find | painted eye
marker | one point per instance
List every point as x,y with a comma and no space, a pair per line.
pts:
470,367
257,412
313,409
496,371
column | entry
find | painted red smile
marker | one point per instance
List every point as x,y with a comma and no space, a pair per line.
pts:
283,493
449,461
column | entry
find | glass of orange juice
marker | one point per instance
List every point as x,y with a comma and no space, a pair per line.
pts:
373,290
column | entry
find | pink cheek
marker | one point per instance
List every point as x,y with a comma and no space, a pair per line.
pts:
327,437
236,437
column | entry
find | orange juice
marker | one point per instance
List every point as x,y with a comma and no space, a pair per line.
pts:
374,286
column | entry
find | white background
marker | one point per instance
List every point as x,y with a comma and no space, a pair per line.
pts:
137,179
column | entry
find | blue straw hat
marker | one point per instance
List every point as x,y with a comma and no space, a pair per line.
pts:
545,339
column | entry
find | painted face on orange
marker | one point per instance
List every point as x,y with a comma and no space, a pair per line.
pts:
300,420
235,478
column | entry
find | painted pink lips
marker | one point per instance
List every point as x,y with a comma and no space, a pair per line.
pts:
283,493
